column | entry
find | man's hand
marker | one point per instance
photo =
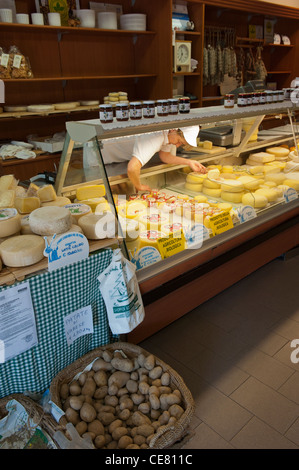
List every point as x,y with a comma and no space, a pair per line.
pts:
196,166
143,187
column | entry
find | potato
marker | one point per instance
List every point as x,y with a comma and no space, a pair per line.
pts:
117,423
122,364
100,364
96,427
119,432
165,378
87,399
81,427
105,417
124,442
124,414
119,378
155,390
164,405
111,400
81,379
100,378
164,389
99,441
64,391
155,373
137,398
141,359
76,402
113,389
89,387
101,392
89,434
72,416
122,391
112,445
139,439
87,413
107,355
176,411
127,403
132,386
145,430
145,408
164,418
154,401
173,399
139,418
155,413
134,375
149,362
143,388
133,446
75,388
156,382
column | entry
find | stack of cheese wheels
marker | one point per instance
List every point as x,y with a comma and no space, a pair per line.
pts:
211,188
194,181
98,226
232,190
280,153
259,158
270,193
49,220
22,250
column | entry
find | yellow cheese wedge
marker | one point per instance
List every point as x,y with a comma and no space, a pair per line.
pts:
193,187
98,226
211,192
92,203
207,144
211,184
232,197
10,222
292,183
22,250
90,191
32,190
25,205
254,200
46,193
262,157
234,186
60,201
7,198
8,182
270,194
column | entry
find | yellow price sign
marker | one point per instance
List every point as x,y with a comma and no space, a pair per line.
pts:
171,245
221,223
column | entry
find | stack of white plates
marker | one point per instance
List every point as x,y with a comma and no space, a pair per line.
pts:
133,21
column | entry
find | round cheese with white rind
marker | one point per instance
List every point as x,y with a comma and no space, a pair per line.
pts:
50,220
211,184
98,226
22,250
194,177
77,210
278,152
270,193
231,196
234,186
10,222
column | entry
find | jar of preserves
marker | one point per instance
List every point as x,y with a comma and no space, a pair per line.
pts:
274,97
269,98
149,109
106,113
162,107
173,106
122,112
249,99
135,110
184,105
229,101
280,96
242,100
263,97
255,98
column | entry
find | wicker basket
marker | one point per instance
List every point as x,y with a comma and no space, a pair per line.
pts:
167,435
35,412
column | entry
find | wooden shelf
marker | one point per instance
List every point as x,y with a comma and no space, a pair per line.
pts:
189,33
16,115
89,77
238,39
272,72
278,45
193,74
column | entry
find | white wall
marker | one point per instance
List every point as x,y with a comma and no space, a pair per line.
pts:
286,3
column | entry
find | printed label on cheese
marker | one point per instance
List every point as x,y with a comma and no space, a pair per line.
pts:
66,249
8,213
172,244
221,223
145,257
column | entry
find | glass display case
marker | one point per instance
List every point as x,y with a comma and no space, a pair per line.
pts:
251,177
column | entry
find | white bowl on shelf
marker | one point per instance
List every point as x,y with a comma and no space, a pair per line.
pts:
87,18
133,21
107,20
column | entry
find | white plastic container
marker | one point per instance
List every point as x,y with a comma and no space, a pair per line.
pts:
87,18
107,20
37,18
5,15
133,21
22,18
54,19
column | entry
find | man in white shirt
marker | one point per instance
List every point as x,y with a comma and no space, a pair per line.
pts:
142,148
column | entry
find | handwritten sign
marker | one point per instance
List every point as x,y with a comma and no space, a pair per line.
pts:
65,249
78,323
221,223
172,244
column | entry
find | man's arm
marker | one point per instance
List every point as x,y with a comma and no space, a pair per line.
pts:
167,157
133,170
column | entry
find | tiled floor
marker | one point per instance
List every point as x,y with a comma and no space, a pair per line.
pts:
234,354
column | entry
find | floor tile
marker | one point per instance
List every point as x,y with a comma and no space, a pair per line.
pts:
285,355
290,388
206,438
293,433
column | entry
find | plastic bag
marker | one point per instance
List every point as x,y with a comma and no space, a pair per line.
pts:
120,290
20,64
5,64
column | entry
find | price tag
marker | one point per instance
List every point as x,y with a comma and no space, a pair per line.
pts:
246,213
196,235
221,223
172,244
290,195
65,249
78,323
17,61
4,60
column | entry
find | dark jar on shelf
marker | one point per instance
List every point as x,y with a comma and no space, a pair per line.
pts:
162,107
184,105
229,101
242,100
106,113
135,110
122,112
149,109
173,106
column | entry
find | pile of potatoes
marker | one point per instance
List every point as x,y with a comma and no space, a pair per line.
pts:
121,402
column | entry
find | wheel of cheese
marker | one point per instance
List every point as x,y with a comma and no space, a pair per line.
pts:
278,152
213,174
153,220
278,178
22,250
62,106
60,201
224,206
234,186
232,197
270,193
249,182
40,108
211,184
89,103
77,210
194,177
200,198
10,222
254,200
135,208
262,157
46,193
98,226
211,192
193,187
292,183
49,220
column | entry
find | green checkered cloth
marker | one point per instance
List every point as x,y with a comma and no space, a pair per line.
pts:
55,295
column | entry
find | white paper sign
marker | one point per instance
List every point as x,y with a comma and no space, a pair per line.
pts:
17,322
196,235
290,195
78,323
246,213
66,249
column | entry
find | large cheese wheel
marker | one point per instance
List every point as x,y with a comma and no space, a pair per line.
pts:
211,184
234,186
10,222
254,200
77,210
213,174
22,250
292,183
50,220
60,201
74,228
98,226
249,182
262,157
232,197
193,187
194,177
211,192
270,193
90,191
278,178
25,205
278,152
92,202
46,193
